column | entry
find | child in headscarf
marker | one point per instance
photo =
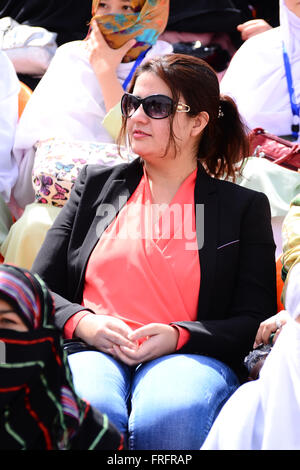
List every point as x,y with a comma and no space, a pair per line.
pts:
38,406
70,100
64,116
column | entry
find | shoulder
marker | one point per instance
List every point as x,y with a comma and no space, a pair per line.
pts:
259,46
96,172
238,197
8,79
70,50
160,48
238,193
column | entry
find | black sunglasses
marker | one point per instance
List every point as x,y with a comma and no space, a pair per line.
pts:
155,106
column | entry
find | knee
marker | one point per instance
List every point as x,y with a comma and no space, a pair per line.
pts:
98,381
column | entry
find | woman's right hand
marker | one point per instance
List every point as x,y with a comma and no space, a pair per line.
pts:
102,57
252,28
103,332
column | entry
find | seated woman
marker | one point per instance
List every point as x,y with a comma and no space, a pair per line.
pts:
263,74
9,91
39,408
61,127
153,264
264,414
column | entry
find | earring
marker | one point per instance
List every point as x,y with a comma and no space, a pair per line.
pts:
220,114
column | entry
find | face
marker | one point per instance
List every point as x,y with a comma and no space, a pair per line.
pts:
114,7
9,319
294,6
149,137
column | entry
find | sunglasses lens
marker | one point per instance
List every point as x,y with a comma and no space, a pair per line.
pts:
129,105
155,106
158,107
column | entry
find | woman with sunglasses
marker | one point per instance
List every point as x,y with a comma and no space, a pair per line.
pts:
162,271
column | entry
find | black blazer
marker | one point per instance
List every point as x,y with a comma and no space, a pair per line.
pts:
237,259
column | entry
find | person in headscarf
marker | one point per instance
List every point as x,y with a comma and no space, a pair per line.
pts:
70,100
82,86
264,76
39,409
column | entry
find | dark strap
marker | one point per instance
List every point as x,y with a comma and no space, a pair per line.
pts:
294,106
134,67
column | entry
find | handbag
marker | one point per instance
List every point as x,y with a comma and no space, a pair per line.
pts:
30,48
276,149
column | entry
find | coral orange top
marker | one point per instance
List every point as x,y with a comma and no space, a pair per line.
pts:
145,267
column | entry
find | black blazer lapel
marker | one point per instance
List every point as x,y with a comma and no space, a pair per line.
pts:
206,224
112,198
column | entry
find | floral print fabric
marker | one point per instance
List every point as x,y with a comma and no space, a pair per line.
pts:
59,162
145,24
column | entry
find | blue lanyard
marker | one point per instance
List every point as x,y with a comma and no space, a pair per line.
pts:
294,106
134,67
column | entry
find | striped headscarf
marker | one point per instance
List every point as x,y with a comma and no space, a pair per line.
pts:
39,408
30,295
145,24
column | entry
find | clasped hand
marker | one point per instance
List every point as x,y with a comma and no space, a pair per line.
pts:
113,336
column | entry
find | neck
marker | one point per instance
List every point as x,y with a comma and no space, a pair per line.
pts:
171,171
165,180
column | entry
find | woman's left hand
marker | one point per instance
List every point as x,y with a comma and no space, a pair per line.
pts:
160,340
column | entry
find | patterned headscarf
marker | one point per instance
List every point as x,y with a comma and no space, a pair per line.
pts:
145,24
29,294
39,408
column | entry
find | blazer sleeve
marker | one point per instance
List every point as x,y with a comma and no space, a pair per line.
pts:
52,260
229,335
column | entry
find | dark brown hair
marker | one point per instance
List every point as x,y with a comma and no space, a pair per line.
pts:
223,144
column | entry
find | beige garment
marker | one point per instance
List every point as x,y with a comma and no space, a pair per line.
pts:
5,220
27,234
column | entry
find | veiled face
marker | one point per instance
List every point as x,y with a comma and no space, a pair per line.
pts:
114,7
294,6
9,319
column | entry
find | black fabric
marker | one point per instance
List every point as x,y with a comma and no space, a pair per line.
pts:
31,417
39,408
30,81
203,16
68,18
24,395
268,10
238,280
213,54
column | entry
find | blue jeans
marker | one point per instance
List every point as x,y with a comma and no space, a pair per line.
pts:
169,403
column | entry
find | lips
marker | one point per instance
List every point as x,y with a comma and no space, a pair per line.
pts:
137,133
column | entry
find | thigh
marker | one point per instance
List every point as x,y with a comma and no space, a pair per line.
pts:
175,400
104,383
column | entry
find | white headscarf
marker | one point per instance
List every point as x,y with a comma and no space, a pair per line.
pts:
256,76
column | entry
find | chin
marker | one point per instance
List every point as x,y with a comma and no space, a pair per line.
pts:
141,150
